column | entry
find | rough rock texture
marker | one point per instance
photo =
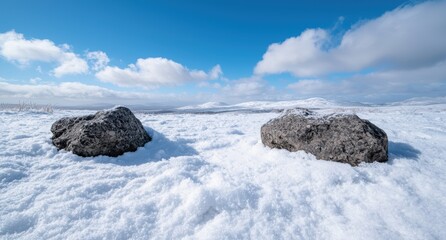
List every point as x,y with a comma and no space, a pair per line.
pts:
337,137
111,132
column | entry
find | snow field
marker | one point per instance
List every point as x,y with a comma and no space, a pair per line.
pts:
208,176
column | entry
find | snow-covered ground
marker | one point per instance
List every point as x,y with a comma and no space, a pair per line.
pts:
208,176
263,105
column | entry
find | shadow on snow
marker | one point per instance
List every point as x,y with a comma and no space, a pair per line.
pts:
160,148
402,150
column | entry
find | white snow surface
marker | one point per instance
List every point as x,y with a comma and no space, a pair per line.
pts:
208,176
267,105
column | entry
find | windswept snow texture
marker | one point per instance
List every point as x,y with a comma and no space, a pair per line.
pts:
208,176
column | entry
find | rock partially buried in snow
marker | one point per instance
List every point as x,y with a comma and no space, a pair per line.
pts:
342,138
110,132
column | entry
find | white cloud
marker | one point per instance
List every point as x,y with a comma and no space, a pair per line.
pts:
214,85
383,86
311,86
298,55
216,72
405,38
80,94
70,64
14,47
66,93
35,80
154,72
99,60
248,88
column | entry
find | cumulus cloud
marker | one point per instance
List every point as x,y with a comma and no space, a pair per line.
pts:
406,38
99,60
154,72
14,47
70,64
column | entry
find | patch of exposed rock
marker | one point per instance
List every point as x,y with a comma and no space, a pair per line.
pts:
342,138
110,132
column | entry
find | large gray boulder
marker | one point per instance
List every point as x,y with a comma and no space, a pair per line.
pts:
336,137
110,132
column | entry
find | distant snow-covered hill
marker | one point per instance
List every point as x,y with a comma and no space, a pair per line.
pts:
420,101
207,105
305,103
268,105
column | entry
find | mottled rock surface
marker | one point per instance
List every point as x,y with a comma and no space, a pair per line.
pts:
336,137
111,133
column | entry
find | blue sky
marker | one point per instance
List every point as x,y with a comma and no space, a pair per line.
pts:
231,51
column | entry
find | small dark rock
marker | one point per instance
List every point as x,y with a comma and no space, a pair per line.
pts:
111,133
336,137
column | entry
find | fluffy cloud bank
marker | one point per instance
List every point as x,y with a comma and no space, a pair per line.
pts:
68,93
383,85
14,47
148,72
248,88
409,37
154,72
